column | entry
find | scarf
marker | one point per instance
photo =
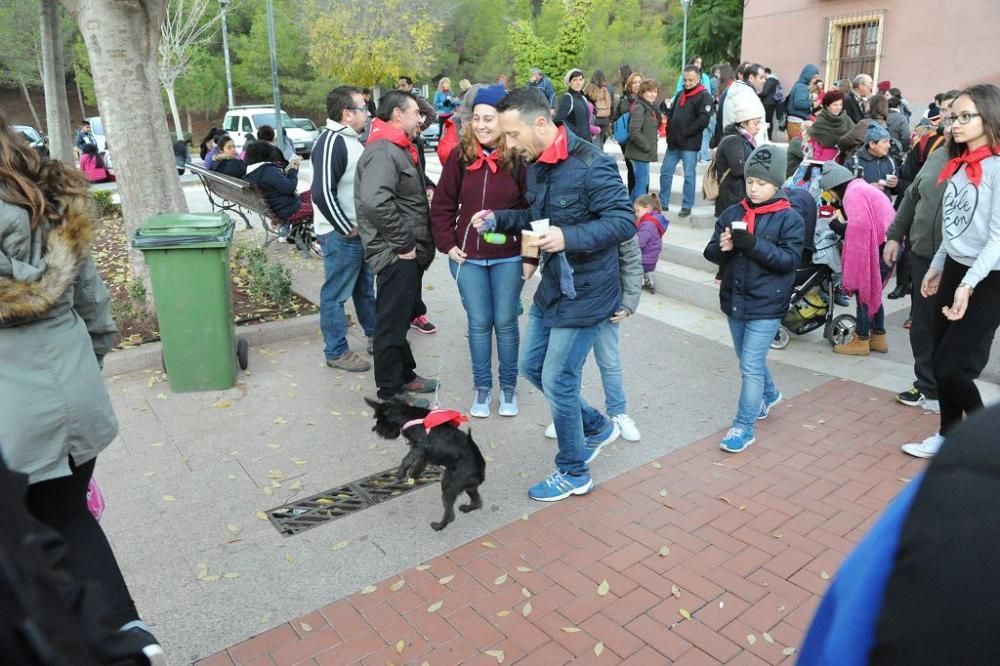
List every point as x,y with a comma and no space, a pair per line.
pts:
558,150
972,161
654,219
869,213
750,138
828,129
750,212
438,417
700,88
383,131
491,160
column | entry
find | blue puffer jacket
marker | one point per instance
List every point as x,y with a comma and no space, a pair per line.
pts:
758,285
279,187
799,103
584,196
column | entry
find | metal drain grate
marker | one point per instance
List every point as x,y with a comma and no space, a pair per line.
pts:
305,514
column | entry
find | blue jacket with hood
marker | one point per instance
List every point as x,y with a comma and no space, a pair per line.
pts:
799,100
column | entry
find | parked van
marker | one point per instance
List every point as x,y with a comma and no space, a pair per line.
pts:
243,120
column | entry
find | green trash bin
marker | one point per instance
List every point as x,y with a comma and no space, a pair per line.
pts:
188,259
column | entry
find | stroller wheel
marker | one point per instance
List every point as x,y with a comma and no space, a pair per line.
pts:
781,338
840,329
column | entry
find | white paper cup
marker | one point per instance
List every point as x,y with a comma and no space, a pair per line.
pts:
540,225
738,224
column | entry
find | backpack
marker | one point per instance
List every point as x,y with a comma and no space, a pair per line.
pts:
779,94
711,181
620,128
603,103
594,129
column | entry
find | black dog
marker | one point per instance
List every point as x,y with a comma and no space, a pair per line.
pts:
445,445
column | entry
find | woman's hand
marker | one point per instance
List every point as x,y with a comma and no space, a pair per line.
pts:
931,282
456,255
960,304
527,270
479,218
726,240
890,253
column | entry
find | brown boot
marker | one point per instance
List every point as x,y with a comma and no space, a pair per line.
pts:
879,343
856,347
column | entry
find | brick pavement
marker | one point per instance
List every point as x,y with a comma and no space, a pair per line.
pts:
708,558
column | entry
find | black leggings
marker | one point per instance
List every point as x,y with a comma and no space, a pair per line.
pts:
62,505
962,348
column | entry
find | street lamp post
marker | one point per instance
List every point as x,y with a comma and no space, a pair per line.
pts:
279,132
684,44
224,4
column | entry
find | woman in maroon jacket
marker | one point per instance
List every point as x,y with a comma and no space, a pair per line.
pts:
481,174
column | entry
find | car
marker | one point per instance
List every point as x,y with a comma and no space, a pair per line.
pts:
431,136
309,127
34,138
242,120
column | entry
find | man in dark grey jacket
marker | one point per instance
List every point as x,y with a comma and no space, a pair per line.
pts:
394,222
918,220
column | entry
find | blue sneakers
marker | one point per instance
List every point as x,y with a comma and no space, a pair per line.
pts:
597,442
737,440
560,486
765,406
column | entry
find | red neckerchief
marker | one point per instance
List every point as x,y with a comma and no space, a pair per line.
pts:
491,161
558,150
438,417
971,160
383,131
691,93
750,214
649,217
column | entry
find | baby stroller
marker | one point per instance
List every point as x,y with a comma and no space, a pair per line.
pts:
812,306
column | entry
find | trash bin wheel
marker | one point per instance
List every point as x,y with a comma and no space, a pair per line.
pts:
242,353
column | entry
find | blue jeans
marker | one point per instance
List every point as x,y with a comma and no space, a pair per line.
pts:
346,275
641,172
752,340
689,160
552,359
706,154
868,322
609,360
491,295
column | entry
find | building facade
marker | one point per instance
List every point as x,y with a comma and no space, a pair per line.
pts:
922,46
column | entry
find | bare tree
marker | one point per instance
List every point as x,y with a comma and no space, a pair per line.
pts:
54,80
122,37
184,29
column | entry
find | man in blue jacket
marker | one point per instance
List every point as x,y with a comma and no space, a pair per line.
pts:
541,82
799,105
573,184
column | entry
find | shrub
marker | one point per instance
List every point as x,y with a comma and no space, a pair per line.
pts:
104,204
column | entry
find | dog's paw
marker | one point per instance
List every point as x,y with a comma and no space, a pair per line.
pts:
466,508
437,527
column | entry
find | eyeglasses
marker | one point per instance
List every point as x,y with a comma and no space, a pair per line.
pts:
962,118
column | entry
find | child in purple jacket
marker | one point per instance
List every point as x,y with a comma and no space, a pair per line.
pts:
650,225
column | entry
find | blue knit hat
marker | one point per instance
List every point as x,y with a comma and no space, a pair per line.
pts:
876,133
490,95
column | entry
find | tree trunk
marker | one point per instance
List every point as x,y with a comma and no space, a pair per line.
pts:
31,105
79,92
54,80
122,38
190,125
172,100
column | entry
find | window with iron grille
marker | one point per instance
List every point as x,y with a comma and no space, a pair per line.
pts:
854,45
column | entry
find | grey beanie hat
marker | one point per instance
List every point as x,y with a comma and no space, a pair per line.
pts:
834,174
768,163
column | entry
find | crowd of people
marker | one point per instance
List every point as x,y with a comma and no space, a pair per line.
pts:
527,187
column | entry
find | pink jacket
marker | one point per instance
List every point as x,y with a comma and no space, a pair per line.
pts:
869,214
88,165
821,153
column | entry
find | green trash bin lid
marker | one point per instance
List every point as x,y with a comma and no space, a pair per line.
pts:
184,230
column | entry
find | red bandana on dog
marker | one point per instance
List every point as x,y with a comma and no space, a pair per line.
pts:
438,417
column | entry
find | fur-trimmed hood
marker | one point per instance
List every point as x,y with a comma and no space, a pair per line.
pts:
37,272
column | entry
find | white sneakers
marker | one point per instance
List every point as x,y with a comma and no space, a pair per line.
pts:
630,433
932,406
925,449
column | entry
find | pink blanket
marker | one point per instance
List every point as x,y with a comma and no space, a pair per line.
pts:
869,214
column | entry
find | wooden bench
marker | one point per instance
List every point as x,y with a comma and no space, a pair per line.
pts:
237,196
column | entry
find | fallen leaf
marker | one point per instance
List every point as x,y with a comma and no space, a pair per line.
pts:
422,567
400,646
161,396
289,557
809,427
435,607
664,551
776,534
233,528
524,569
526,593
398,585
325,501
156,444
751,639
211,579
503,613
281,420
572,630
169,498
524,516
446,579
767,637
500,580
676,591
496,654
526,611
603,588
230,575
147,474
684,614
369,589
488,544
726,500
719,463
342,545
305,626
261,515
656,465
824,575
599,649
299,461
297,485
222,404
788,651
663,492
722,604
